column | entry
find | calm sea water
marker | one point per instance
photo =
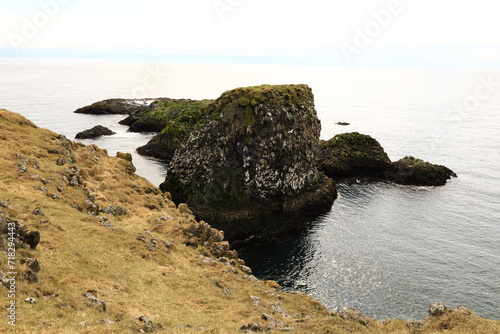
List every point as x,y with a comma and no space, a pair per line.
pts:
386,250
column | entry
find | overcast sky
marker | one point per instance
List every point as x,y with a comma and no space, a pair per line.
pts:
341,33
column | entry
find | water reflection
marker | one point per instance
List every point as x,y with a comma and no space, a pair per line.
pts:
287,260
367,253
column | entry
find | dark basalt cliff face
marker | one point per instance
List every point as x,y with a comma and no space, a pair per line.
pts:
250,168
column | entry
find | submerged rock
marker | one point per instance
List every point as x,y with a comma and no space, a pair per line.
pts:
95,132
250,168
352,154
417,172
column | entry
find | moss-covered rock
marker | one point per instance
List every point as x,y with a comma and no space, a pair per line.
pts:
417,172
352,154
162,112
250,168
175,119
112,106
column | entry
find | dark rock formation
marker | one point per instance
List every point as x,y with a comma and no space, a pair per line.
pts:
349,155
22,237
343,123
112,106
176,119
412,171
32,264
250,168
95,132
356,156
162,112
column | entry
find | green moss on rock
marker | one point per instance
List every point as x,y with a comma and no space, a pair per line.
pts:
352,155
162,112
175,119
252,155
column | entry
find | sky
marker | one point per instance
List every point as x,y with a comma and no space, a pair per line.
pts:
408,33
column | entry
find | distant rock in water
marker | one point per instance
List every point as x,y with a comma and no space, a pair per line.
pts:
357,156
343,123
114,107
95,132
417,172
352,154
250,168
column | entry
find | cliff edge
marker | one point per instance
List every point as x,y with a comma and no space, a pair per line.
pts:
90,247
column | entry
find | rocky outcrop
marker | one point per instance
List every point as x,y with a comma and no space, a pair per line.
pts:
250,168
12,232
349,155
176,119
113,107
162,112
417,172
95,132
356,156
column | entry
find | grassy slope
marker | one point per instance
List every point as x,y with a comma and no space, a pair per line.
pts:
174,289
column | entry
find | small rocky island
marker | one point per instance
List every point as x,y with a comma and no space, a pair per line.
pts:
353,155
251,162
96,131
250,169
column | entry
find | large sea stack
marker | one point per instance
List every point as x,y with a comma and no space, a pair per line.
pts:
251,168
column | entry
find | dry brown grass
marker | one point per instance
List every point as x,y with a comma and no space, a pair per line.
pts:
178,290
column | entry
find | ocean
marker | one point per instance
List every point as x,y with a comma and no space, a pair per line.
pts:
388,251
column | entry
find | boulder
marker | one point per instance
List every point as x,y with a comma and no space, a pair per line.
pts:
112,107
437,309
95,132
349,155
114,210
91,295
417,172
22,236
250,168
146,325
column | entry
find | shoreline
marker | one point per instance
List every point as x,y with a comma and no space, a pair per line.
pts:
97,181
